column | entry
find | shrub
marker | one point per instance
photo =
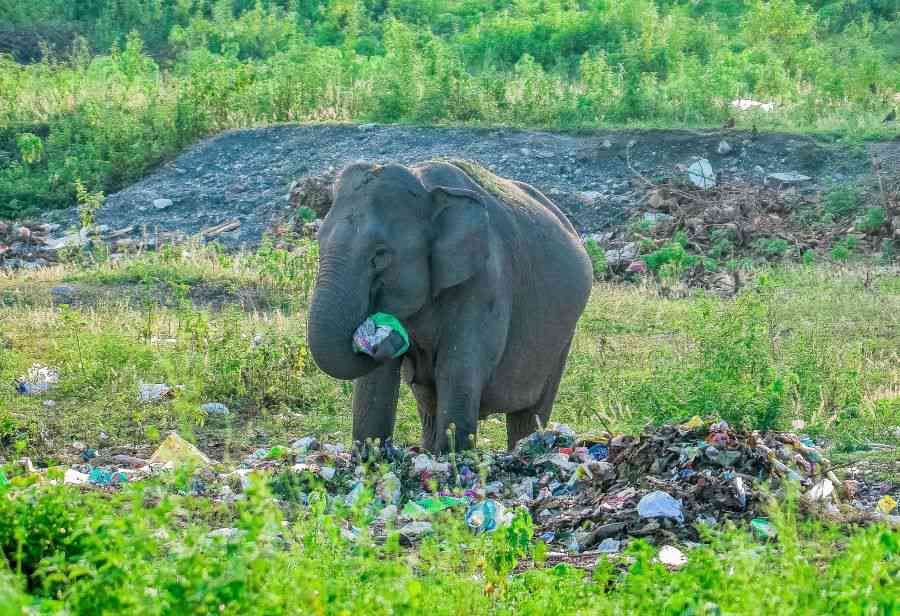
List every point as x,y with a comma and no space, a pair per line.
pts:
873,221
598,258
842,202
772,247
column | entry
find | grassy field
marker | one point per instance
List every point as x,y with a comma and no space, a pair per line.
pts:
812,343
121,85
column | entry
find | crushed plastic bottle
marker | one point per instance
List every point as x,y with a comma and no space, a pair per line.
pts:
658,504
483,516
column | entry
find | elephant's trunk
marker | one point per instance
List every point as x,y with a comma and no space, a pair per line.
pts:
336,311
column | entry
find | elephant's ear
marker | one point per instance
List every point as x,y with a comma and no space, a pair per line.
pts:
459,247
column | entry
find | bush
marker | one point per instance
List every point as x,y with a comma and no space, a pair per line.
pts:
598,258
842,202
772,247
873,221
731,373
166,72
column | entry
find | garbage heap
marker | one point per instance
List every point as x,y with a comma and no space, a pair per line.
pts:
592,493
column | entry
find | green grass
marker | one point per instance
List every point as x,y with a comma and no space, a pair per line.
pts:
811,343
800,342
152,76
88,553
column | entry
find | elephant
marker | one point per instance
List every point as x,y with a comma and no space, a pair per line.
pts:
486,274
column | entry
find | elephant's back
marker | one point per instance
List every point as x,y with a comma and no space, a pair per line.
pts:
546,249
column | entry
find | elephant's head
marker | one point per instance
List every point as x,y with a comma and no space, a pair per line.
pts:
388,244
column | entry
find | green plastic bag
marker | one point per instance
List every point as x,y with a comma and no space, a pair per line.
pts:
432,505
378,330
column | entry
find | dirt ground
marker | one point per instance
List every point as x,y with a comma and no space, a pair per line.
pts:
246,175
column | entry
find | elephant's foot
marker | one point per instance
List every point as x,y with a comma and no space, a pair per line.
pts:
521,424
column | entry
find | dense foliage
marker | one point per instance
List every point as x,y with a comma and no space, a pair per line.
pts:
126,83
147,551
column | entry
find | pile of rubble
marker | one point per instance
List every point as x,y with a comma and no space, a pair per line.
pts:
32,246
585,495
740,215
28,246
309,200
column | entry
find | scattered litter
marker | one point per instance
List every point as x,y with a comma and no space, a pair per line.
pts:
226,533
414,530
599,451
788,178
214,408
886,504
486,516
658,504
589,494
177,451
762,528
820,492
38,380
154,392
381,336
672,557
746,104
104,478
609,546
426,506
701,175
217,230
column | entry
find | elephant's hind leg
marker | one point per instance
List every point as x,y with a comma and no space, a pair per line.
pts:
521,424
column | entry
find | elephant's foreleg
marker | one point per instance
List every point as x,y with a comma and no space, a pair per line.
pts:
426,403
458,403
375,402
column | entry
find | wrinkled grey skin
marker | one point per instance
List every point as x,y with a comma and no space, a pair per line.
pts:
489,291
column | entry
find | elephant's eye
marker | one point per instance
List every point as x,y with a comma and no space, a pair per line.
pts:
381,259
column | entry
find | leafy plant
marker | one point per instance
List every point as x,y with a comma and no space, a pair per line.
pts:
598,258
873,220
772,247
31,148
842,202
